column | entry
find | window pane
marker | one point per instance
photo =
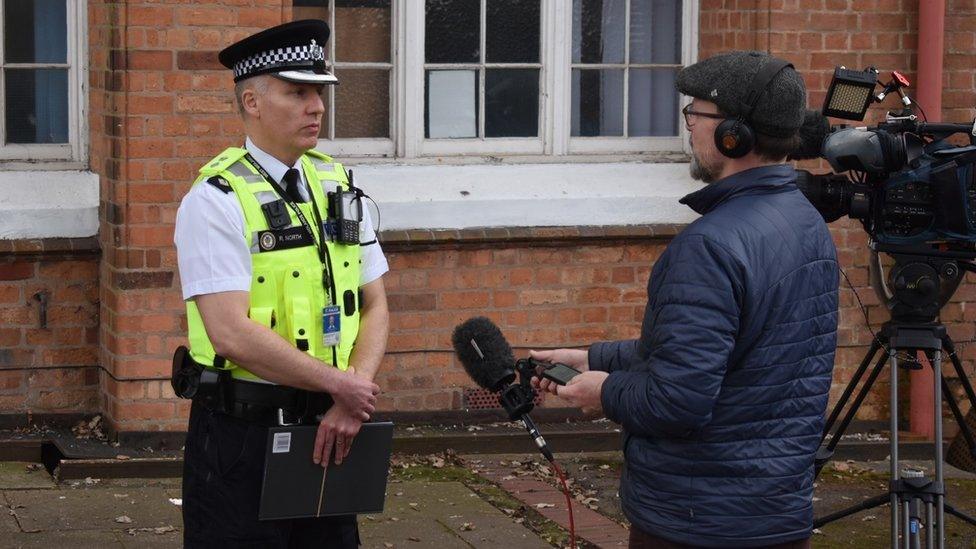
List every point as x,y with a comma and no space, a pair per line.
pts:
512,32
362,31
35,31
512,103
37,105
453,31
598,31
655,31
452,104
598,102
653,108
363,103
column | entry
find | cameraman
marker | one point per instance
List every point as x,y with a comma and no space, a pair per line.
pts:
723,395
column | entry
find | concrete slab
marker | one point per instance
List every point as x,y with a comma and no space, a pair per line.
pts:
7,521
73,539
19,475
442,514
93,508
140,540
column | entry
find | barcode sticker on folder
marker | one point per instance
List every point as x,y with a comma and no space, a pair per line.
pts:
282,443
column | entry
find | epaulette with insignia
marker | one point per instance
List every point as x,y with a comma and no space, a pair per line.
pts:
220,183
222,161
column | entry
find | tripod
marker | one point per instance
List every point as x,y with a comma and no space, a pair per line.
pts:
920,285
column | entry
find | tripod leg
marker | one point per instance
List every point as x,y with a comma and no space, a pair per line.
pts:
967,433
929,538
907,532
835,413
960,419
950,348
959,514
893,442
861,395
939,474
866,504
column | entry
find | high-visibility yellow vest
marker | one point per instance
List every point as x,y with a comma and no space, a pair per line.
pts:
287,292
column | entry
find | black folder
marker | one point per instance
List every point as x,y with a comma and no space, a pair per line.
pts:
295,487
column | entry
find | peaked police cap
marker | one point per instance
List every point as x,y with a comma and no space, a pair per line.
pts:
293,51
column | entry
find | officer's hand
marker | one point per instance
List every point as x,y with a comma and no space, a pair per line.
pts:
356,394
575,358
337,428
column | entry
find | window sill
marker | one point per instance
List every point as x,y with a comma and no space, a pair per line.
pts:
48,204
527,195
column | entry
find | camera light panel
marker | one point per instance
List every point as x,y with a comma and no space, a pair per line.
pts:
849,94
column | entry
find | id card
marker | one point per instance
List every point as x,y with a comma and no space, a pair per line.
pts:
330,325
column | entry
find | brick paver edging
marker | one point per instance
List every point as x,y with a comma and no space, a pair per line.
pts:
590,525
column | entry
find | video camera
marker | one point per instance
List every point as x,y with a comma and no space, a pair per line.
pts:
902,179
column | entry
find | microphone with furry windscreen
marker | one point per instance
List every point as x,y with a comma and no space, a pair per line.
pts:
484,353
488,359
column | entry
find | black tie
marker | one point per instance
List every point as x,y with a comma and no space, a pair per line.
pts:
291,185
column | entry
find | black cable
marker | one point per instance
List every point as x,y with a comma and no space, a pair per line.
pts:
924,118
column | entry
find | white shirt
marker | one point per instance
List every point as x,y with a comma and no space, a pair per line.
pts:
211,251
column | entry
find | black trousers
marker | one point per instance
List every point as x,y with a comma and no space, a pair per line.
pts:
223,468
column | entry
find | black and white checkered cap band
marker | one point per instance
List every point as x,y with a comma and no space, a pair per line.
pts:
291,57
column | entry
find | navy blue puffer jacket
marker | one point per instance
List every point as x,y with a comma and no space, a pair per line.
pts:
723,396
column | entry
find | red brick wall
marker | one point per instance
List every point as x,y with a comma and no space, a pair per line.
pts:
48,363
556,290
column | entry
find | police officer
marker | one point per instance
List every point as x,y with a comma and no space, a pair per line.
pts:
284,300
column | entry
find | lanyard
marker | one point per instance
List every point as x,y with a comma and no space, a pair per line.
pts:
320,246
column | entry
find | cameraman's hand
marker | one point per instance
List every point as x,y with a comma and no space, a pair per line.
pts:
356,395
585,390
575,358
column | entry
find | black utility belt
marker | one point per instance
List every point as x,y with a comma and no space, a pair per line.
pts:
245,399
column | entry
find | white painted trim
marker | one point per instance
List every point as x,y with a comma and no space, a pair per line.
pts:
527,195
412,133
49,204
488,146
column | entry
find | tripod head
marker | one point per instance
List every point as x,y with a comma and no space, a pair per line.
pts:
921,281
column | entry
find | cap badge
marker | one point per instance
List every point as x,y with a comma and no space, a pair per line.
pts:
316,51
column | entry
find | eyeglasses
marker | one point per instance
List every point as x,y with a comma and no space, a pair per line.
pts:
690,113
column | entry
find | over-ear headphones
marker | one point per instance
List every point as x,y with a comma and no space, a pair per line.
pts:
734,137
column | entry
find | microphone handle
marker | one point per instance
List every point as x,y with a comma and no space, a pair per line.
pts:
537,437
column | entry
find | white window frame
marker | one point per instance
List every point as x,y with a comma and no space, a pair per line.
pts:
621,144
365,146
73,154
555,89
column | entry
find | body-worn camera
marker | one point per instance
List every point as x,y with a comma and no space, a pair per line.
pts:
902,179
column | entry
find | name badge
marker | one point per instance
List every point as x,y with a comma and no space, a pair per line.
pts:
283,239
330,325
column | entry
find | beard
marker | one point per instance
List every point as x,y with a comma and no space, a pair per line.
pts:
700,171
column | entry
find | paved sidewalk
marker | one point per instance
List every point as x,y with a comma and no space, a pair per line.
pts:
550,502
36,512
